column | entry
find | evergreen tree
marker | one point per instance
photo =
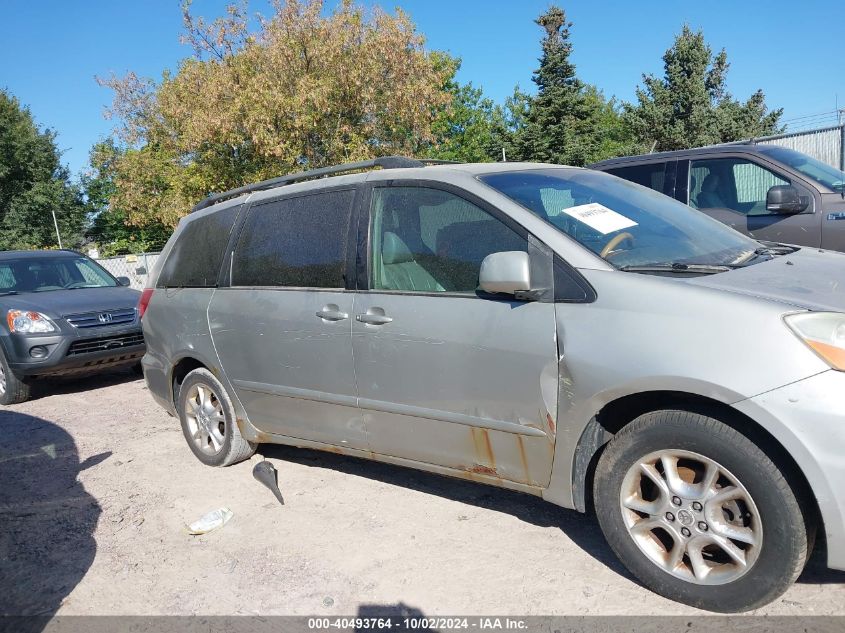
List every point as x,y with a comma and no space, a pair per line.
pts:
690,105
568,121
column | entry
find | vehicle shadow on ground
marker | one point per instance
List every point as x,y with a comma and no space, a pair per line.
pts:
47,517
582,529
397,612
817,573
61,385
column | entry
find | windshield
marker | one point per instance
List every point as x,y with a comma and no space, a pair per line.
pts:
51,273
814,169
624,223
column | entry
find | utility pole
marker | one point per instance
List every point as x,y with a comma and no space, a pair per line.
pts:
840,116
840,121
56,224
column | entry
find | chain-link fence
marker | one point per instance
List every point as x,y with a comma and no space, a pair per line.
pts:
135,267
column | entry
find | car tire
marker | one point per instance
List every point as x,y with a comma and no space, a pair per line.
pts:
13,389
728,546
209,422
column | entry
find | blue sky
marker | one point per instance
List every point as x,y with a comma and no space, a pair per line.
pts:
50,50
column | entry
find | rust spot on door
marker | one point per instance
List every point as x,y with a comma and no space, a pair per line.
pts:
482,470
551,423
523,458
257,437
483,449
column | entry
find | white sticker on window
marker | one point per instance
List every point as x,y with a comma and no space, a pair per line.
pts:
599,217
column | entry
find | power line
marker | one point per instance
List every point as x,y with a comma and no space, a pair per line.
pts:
809,116
831,117
820,119
807,122
815,123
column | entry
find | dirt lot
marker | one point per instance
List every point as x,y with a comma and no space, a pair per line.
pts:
97,484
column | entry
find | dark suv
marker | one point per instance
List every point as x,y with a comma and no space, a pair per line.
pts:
768,192
62,313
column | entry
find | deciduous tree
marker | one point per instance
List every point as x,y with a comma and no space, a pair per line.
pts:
109,229
463,127
34,184
305,90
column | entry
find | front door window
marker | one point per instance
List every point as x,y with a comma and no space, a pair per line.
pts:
731,183
429,240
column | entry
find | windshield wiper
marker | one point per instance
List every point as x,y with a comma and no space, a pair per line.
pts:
776,248
772,249
9,292
677,267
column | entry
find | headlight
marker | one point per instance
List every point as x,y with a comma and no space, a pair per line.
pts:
823,332
29,322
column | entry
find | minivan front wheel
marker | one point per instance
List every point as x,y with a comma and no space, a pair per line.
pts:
699,513
208,421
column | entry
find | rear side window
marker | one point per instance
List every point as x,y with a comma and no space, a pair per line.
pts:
194,260
652,176
295,242
7,278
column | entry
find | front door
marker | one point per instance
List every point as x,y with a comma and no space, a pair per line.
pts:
282,330
446,375
733,190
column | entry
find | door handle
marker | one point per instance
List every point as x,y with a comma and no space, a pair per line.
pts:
328,314
373,319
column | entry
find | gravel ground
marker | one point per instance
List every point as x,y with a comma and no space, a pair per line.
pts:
97,484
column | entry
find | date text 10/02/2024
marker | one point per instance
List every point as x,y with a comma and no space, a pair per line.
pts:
417,623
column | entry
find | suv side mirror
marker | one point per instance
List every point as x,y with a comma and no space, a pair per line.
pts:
507,272
123,281
784,199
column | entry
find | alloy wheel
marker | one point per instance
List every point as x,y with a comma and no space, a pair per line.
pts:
205,418
691,517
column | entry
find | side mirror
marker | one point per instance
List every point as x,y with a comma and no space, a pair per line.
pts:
784,199
507,272
123,281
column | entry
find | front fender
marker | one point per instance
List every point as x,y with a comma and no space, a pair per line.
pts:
580,436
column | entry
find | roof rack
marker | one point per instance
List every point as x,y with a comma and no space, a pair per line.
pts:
385,162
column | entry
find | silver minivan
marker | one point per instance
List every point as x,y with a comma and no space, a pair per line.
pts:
552,330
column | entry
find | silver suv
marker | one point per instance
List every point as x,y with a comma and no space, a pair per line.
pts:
552,330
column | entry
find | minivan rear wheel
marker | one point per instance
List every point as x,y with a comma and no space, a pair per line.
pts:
13,389
699,513
208,421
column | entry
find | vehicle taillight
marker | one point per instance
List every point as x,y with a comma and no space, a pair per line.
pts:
146,295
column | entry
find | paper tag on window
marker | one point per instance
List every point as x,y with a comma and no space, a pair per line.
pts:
599,217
